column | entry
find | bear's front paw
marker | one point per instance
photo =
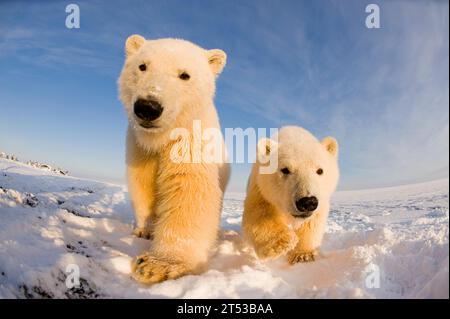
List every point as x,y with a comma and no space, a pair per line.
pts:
301,257
149,269
277,245
143,233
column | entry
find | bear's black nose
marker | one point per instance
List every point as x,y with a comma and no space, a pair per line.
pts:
307,204
147,110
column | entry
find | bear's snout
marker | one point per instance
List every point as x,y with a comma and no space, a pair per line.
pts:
307,205
147,110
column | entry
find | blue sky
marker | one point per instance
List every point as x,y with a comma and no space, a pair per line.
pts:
383,93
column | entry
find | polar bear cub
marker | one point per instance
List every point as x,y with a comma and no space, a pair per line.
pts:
166,85
285,211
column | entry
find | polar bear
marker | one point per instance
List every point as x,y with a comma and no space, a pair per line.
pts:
285,211
165,85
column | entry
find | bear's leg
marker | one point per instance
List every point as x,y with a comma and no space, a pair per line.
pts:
141,190
142,211
188,213
266,229
141,175
310,236
271,238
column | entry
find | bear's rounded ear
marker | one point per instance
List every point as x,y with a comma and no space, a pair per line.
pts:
133,44
331,145
266,146
217,60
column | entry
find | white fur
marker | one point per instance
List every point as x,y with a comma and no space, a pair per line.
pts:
270,220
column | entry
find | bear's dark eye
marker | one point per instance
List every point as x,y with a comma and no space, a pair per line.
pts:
319,171
184,76
285,171
143,67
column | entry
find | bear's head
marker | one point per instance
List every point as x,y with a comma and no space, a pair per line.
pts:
307,173
165,83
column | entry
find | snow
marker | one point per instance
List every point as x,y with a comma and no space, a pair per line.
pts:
381,243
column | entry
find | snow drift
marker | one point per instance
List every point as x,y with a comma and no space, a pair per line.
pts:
381,243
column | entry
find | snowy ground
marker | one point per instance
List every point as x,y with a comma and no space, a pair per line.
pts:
384,243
